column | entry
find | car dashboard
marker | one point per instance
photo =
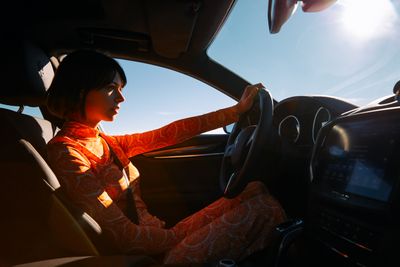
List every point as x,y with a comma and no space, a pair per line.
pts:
297,121
339,162
353,193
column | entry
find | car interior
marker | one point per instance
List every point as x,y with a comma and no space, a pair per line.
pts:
337,179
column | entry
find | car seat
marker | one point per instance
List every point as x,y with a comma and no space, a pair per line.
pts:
37,222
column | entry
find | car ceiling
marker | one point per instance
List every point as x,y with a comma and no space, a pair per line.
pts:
167,28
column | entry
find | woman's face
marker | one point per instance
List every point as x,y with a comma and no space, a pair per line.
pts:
103,104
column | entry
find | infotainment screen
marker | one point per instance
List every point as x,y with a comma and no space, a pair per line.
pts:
360,158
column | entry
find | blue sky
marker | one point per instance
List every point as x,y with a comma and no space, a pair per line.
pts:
350,50
156,96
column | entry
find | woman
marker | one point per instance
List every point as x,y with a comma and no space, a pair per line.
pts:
86,90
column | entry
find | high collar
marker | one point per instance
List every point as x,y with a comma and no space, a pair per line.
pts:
79,130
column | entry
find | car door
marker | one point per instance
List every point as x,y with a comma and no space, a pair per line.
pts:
175,181
179,180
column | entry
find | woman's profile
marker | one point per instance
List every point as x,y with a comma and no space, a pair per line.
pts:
87,89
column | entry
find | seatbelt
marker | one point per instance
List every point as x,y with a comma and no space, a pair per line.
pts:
131,211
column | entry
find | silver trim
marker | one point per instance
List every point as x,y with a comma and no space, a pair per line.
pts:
181,151
229,183
298,126
362,246
314,137
189,156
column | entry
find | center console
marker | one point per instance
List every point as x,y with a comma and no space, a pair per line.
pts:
353,217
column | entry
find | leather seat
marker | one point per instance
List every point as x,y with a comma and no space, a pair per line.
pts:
37,221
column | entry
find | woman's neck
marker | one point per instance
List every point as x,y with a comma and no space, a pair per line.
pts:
78,118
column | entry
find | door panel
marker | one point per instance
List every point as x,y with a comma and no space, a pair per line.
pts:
177,181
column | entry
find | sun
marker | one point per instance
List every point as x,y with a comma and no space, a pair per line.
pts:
367,19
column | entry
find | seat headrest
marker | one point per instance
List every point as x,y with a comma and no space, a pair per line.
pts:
27,74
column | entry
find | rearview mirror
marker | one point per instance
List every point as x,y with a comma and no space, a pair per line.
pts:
279,11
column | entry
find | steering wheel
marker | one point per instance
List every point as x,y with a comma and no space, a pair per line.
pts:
244,147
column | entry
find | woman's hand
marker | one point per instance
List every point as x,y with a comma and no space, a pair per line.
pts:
247,99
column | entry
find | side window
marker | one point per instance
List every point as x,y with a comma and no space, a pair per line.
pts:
156,96
32,111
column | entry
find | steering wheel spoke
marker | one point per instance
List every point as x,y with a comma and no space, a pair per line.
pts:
251,139
228,151
244,147
230,181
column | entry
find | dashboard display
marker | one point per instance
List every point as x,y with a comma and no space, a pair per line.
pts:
360,158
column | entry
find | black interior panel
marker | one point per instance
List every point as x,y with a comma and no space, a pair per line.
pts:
176,187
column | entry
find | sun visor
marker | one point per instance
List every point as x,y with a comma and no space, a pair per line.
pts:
26,75
171,25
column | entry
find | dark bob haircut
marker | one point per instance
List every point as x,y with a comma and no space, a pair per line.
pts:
80,72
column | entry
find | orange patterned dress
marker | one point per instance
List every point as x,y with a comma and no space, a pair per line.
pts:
228,228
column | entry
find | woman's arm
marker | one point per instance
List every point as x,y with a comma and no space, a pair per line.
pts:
181,130
175,132
84,189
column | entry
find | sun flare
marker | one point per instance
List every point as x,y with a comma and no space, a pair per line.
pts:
367,19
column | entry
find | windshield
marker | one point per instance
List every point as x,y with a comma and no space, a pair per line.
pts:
351,50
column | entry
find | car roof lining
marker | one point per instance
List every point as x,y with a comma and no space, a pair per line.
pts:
172,27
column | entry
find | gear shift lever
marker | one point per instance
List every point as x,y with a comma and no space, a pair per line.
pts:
286,233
